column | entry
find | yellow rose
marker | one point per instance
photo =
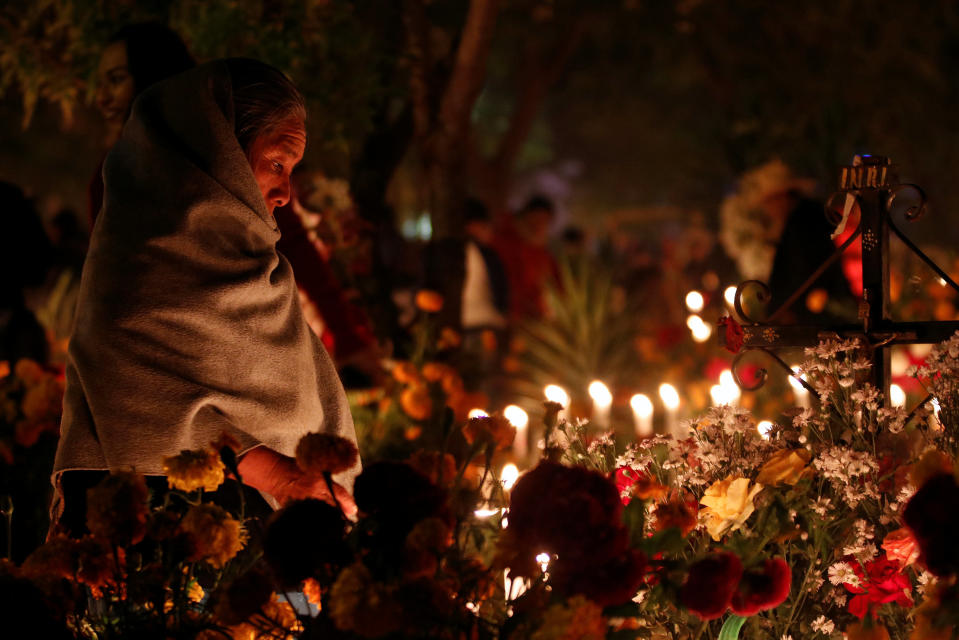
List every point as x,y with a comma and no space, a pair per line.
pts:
784,466
729,503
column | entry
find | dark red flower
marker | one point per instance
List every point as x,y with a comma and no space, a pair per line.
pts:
762,588
710,585
882,581
573,514
612,583
933,517
732,334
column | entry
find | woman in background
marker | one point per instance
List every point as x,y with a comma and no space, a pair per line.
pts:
136,56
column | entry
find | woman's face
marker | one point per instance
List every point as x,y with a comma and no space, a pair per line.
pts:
272,157
115,87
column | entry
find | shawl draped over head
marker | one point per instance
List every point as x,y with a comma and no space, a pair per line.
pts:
188,322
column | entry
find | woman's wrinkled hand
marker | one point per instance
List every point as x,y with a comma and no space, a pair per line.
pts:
278,475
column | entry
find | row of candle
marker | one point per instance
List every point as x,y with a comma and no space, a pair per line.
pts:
727,392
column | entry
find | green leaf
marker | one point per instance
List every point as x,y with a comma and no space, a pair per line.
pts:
634,517
731,627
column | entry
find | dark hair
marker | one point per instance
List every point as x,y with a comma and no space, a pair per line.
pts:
475,211
262,99
538,203
154,52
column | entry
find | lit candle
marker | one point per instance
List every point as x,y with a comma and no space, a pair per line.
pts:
730,388
519,419
897,397
730,296
670,398
642,414
477,413
764,427
800,392
602,401
509,475
718,394
694,301
557,394
698,327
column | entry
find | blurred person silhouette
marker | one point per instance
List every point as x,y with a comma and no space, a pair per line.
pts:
485,301
135,57
803,246
522,242
343,326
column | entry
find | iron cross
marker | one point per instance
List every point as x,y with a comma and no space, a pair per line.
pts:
872,184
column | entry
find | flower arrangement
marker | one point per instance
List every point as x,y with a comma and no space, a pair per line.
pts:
840,520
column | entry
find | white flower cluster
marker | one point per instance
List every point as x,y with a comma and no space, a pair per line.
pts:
849,472
861,545
823,625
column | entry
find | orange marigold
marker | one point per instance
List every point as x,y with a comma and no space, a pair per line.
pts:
576,619
435,371
215,535
405,373
678,511
493,429
439,467
313,591
449,339
416,402
117,508
195,469
354,595
96,566
428,300
319,453
54,558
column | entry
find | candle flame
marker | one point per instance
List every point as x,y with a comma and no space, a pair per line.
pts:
669,396
642,405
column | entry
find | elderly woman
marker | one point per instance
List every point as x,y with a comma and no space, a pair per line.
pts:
188,323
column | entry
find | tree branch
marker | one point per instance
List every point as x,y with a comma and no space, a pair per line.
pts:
536,84
421,65
469,70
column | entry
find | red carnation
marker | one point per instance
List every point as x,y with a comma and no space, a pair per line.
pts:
710,585
762,588
882,581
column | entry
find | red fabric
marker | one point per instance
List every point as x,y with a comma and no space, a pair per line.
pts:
347,330
529,268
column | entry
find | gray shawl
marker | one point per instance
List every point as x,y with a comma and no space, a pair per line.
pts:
188,321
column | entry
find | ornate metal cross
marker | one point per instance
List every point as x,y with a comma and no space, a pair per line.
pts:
871,184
